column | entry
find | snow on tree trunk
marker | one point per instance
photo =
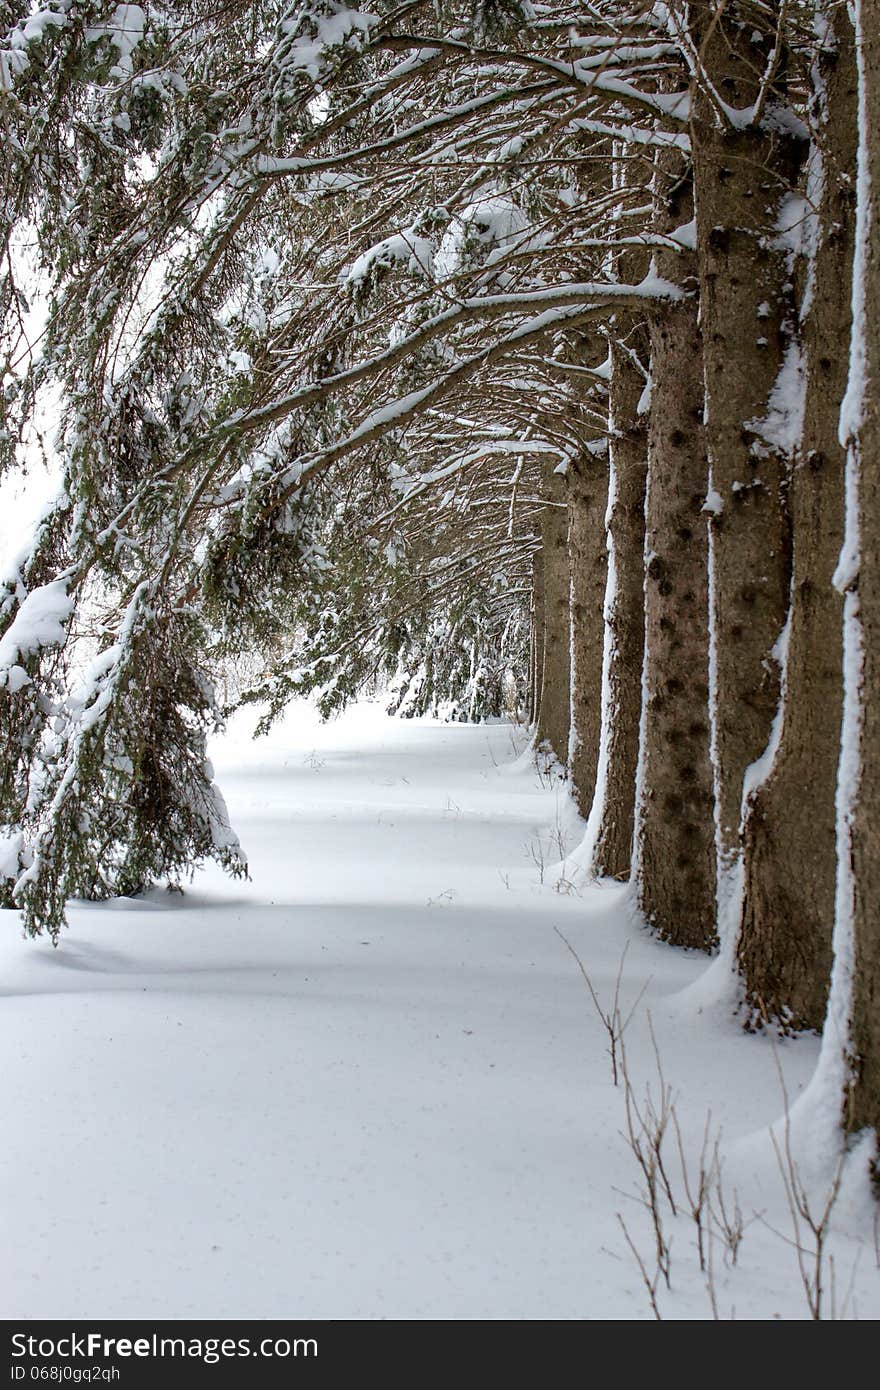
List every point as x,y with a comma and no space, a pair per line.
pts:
850,1064
537,640
588,499
789,837
624,606
745,165
675,839
555,706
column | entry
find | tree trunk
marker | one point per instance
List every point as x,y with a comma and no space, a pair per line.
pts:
588,500
587,540
789,837
675,836
742,175
537,640
854,1010
555,709
624,607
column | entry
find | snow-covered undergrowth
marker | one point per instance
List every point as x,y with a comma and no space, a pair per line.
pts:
371,1082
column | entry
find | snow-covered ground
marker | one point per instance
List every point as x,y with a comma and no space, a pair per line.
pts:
371,1083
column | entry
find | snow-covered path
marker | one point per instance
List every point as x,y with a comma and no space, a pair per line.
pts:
370,1083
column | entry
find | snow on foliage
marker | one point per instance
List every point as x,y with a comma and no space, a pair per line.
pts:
123,30
407,249
329,26
481,233
40,622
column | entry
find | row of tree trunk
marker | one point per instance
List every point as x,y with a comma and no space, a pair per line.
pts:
688,645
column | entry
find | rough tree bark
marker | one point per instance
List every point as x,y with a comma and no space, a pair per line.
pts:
675,832
789,830
624,603
537,638
744,169
856,988
555,706
588,552
587,540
